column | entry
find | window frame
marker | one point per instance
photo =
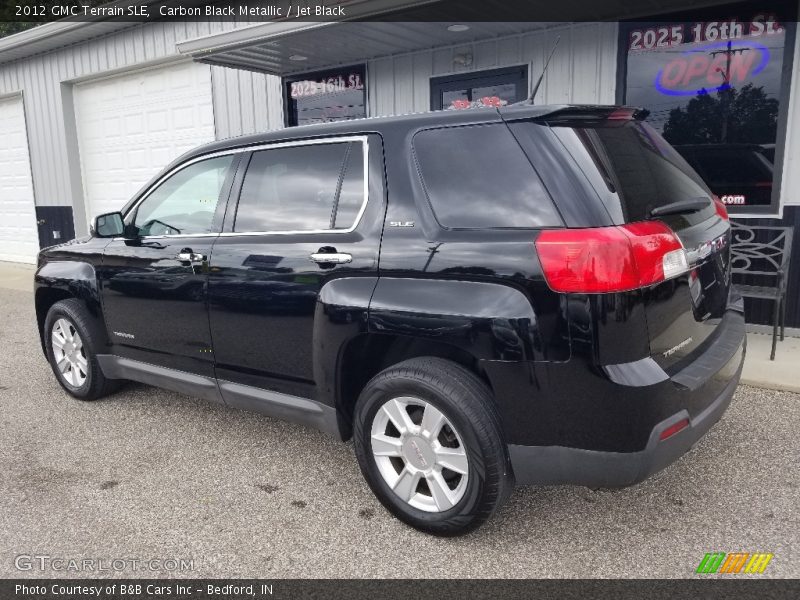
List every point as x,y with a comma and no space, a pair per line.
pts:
295,143
232,186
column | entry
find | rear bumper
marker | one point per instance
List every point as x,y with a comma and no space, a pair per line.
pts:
593,468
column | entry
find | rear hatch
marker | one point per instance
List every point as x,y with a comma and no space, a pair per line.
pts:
640,178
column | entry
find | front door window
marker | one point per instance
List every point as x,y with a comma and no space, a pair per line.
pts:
185,203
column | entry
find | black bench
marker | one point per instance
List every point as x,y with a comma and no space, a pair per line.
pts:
760,258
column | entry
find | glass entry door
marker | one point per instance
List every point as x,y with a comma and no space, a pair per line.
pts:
498,86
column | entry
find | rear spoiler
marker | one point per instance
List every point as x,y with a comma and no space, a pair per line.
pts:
578,112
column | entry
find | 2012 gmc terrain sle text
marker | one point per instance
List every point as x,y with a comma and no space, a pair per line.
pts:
529,294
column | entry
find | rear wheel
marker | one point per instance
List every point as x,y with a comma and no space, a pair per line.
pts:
429,443
72,344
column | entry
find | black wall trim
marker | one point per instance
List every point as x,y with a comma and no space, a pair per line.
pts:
55,225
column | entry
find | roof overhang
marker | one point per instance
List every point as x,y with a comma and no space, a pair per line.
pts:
378,28
274,47
54,35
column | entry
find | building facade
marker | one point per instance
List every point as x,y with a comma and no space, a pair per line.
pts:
91,111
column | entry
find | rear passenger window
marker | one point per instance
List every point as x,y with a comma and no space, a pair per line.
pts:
302,188
477,177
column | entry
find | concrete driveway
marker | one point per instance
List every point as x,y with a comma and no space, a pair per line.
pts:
149,475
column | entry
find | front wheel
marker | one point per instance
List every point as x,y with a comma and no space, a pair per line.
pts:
429,443
72,343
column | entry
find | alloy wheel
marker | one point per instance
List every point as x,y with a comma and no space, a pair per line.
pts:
419,454
69,353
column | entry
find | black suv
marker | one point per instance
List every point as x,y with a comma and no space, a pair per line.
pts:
530,294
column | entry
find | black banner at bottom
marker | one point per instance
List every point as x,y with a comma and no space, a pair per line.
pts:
279,589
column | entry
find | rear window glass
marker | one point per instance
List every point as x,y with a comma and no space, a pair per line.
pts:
741,166
637,167
477,177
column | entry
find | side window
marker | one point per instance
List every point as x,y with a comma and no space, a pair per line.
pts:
477,177
184,203
302,188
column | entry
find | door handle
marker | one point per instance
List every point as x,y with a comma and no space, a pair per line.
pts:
332,258
189,256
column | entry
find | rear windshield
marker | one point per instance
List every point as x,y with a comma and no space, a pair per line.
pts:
477,177
633,168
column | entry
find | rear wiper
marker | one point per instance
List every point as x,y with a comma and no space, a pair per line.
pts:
689,205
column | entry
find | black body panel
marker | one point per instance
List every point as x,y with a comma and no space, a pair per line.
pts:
69,271
155,304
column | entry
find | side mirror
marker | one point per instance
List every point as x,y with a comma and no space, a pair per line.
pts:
108,225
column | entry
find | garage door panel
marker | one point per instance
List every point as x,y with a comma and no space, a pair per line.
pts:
19,238
131,126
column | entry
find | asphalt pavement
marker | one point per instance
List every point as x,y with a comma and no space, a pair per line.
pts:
150,475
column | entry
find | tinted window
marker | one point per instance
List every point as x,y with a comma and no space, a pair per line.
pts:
478,177
296,188
639,170
715,80
184,203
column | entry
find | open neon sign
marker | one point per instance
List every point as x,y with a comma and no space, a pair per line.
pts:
713,67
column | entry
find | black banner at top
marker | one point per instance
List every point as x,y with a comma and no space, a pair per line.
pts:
41,11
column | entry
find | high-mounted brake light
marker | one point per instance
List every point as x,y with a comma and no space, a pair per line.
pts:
610,259
722,210
621,114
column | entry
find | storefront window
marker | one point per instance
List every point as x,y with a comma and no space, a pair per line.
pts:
714,90
333,95
496,87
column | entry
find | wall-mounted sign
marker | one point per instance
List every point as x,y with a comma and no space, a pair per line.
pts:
332,95
712,56
666,36
326,85
712,67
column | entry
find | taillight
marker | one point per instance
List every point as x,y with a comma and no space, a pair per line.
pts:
722,211
610,259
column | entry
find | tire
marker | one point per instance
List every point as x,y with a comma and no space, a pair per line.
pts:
407,466
83,379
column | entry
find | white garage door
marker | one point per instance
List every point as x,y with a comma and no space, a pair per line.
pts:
131,126
19,239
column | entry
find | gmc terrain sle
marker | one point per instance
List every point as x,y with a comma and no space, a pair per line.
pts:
530,294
